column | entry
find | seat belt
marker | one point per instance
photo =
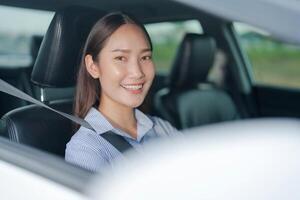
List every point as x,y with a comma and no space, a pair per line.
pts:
116,140
119,142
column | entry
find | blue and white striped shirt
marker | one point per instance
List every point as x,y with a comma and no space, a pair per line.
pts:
89,150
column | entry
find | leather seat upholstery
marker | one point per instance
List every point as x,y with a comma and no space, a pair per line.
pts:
189,100
56,67
35,45
40,128
59,56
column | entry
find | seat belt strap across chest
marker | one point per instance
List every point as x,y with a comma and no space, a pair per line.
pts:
116,140
119,142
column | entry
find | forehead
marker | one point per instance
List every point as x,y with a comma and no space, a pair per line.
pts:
128,36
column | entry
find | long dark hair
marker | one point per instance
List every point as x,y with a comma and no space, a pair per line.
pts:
88,89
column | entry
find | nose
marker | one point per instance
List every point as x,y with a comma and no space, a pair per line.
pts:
135,70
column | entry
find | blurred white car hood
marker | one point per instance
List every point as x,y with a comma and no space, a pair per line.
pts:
253,159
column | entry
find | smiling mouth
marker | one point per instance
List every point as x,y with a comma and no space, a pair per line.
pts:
134,88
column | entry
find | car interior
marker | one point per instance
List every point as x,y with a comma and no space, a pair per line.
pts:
189,100
186,96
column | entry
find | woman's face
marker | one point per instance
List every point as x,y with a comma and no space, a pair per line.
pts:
125,67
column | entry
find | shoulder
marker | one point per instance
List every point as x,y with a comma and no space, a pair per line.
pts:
163,127
88,150
89,139
83,136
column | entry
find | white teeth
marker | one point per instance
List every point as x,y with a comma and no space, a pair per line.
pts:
133,87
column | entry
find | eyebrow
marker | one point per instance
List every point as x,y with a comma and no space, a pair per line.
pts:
128,50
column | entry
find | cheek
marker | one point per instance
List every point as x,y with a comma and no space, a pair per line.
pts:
149,71
110,72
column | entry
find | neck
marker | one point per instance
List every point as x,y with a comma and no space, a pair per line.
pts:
120,116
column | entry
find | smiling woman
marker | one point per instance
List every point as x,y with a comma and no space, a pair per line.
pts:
45,131
115,75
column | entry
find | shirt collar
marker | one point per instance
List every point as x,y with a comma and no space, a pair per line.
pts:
144,124
101,125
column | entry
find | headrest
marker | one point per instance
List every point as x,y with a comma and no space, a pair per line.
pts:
35,45
193,61
59,55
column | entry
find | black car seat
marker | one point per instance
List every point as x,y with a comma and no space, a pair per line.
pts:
55,67
189,99
18,76
35,44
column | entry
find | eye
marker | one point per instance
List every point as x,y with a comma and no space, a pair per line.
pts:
149,57
120,58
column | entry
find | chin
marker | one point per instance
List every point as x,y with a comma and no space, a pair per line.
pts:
134,104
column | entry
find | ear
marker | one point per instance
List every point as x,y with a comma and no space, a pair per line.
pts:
91,66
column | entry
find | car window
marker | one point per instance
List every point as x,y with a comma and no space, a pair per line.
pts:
17,31
166,37
273,62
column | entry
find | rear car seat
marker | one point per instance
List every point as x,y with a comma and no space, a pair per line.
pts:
19,76
189,99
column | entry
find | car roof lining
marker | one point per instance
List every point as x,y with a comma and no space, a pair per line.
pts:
229,10
147,12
